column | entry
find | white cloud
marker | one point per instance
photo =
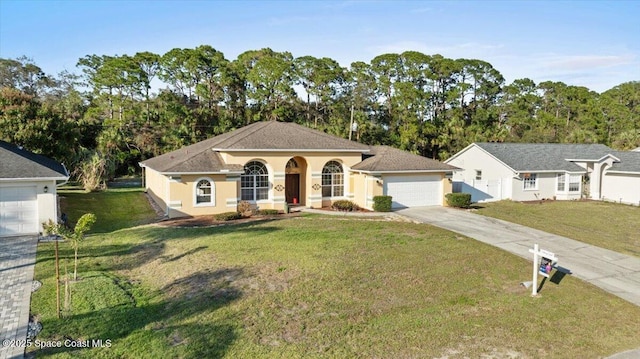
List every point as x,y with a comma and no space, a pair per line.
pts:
421,10
587,61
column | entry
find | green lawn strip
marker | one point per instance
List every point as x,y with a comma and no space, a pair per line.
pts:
115,208
323,287
607,225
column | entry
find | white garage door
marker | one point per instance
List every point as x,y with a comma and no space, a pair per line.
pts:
18,211
413,191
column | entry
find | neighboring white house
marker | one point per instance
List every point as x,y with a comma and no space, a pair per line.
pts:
27,190
526,171
621,182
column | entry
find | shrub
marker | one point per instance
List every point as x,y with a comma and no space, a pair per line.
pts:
227,216
382,203
459,200
92,171
268,212
344,205
245,209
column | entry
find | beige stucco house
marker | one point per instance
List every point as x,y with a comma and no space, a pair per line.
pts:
28,185
270,164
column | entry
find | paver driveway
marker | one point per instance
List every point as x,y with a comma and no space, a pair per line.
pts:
17,259
616,273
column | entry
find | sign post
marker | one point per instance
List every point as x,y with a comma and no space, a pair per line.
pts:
542,264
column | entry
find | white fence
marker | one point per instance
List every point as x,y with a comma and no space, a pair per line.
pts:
485,190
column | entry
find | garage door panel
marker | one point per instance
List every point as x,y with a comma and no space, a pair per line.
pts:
413,191
18,211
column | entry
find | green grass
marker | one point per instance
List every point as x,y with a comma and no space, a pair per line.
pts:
115,208
603,224
320,287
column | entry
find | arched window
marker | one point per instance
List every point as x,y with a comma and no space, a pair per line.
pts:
254,183
292,164
332,180
205,192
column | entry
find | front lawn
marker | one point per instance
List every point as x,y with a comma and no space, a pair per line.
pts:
115,208
316,286
603,224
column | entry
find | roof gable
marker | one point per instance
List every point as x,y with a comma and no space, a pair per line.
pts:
389,159
629,162
18,163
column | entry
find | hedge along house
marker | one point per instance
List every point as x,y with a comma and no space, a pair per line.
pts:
28,195
272,163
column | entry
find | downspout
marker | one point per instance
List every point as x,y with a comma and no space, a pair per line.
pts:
68,175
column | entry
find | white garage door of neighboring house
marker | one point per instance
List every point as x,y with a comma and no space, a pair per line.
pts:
18,211
413,191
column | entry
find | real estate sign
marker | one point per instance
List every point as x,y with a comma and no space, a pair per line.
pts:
543,262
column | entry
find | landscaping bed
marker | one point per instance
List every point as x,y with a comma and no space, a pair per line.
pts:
209,220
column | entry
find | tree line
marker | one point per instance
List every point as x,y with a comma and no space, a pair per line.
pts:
118,110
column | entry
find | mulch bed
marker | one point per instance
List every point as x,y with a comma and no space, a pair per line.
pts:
330,209
209,221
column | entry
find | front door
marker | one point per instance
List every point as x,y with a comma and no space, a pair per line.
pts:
292,187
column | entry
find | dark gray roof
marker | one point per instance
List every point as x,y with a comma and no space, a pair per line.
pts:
629,161
389,159
261,136
545,156
16,162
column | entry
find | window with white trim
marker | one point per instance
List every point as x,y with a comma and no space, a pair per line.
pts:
478,175
574,183
254,183
530,181
562,182
332,180
205,192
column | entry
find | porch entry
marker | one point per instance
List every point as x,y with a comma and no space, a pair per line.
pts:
294,175
292,188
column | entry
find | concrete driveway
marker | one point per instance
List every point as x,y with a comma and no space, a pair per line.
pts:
17,260
616,273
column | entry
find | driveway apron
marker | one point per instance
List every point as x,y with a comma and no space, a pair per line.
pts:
17,259
616,273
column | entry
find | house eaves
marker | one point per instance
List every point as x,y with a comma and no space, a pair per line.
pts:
624,172
33,179
221,172
593,160
289,150
407,171
551,171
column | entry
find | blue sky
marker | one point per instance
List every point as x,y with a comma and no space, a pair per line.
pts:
586,43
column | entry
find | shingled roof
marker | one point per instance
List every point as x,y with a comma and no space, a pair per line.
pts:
281,136
389,159
545,156
629,162
18,163
269,136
